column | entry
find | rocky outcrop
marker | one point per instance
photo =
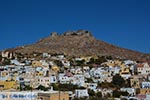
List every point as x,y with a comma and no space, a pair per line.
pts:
78,33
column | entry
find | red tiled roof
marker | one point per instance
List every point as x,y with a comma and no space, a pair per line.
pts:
140,65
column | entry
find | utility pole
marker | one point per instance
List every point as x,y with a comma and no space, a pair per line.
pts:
59,90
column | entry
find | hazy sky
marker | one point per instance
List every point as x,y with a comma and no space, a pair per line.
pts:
125,23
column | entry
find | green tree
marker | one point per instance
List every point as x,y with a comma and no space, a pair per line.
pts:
72,62
58,63
55,86
106,85
89,80
6,61
98,60
95,98
84,98
116,94
27,87
1,57
80,62
118,80
42,88
92,61
91,93
99,94
109,57
69,87
124,93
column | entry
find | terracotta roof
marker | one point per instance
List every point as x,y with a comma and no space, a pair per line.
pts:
140,65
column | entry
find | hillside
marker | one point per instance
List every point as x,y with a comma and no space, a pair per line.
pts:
79,43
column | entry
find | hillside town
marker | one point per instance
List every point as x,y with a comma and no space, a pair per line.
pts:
44,76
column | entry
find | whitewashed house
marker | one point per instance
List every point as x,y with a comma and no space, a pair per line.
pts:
131,91
66,63
95,72
145,85
46,55
92,86
78,80
126,75
87,75
128,62
143,68
16,62
105,91
81,93
53,79
44,63
44,81
114,70
63,79
78,70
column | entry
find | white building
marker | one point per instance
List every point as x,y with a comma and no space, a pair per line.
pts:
127,62
25,95
143,68
126,75
53,79
114,70
16,62
44,81
66,63
92,86
46,55
105,91
131,91
147,96
63,79
81,93
145,85
78,80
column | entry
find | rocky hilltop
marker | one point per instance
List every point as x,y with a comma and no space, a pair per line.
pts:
79,43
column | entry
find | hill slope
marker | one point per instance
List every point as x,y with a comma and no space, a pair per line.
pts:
79,43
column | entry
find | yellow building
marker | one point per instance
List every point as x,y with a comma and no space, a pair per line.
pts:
37,73
87,58
4,73
114,63
134,82
36,64
144,91
53,96
124,70
55,68
4,85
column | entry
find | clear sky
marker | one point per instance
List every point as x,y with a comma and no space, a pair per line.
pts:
125,23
